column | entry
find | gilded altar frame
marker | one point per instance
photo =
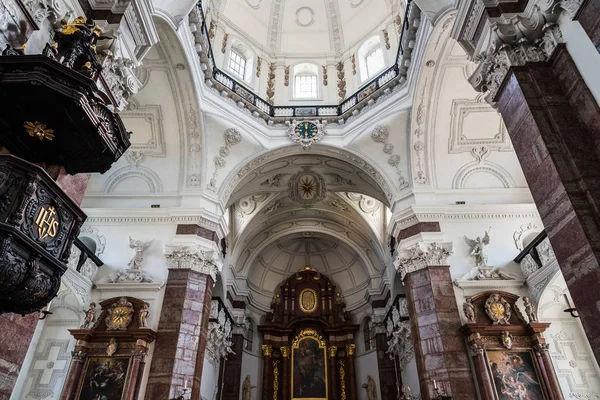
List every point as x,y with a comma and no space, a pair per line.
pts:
314,335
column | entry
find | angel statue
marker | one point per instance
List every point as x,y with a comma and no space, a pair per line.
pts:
478,248
139,247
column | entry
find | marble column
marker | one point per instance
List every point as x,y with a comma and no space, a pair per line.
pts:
285,372
351,371
333,373
543,354
440,349
485,384
179,351
267,382
70,386
554,124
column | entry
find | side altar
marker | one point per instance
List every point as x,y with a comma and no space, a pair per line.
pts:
308,342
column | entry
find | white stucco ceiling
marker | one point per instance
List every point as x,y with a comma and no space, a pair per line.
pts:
306,26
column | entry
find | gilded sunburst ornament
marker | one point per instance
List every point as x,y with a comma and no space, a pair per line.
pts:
307,187
39,130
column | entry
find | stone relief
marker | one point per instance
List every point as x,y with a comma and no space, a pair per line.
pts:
218,342
194,257
422,255
135,273
478,249
380,135
231,137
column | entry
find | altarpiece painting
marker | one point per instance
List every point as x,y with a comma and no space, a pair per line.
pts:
515,375
104,378
309,377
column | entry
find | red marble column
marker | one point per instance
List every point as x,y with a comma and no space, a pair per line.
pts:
440,349
554,123
179,349
588,18
75,370
485,384
15,335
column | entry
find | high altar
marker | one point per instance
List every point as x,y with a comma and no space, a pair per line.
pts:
308,342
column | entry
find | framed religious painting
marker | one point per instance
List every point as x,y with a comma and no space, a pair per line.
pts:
309,368
515,375
104,378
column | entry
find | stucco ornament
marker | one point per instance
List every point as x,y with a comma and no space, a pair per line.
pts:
478,248
306,132
498,310
218,342
506,339
421,255
194,257
134,274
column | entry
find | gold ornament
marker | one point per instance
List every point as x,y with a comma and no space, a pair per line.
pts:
267,350
38,130
119,315
308,300
350,349
498,310
332,351
275,378
285,352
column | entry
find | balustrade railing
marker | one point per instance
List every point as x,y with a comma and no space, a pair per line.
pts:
372,88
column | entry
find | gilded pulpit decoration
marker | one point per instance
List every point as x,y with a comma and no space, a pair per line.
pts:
120,315
47,222
498,310
38,130
267,350
308,300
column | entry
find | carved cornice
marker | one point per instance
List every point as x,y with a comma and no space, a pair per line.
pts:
514,43
422,255
194,257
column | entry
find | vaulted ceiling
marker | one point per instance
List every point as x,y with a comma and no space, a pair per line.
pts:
306,26
312,210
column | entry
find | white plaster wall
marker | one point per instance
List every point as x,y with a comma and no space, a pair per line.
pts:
501,250
210,380
574,363
410,378
252,365
366,364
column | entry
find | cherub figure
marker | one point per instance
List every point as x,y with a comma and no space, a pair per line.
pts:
469,310
90,317
144,313
478,248
529,309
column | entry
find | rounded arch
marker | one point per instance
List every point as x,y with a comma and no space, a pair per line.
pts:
386,194
484,167
145,174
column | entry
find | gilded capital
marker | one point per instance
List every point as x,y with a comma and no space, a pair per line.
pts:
285,352
332,351
350,349
267,350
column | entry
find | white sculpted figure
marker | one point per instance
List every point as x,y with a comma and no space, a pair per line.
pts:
139,247
478,248
469,310
247,388
529,309
90,317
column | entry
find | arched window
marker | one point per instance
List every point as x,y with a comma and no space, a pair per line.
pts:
369,335
370,58
249,334
240,60
306,81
